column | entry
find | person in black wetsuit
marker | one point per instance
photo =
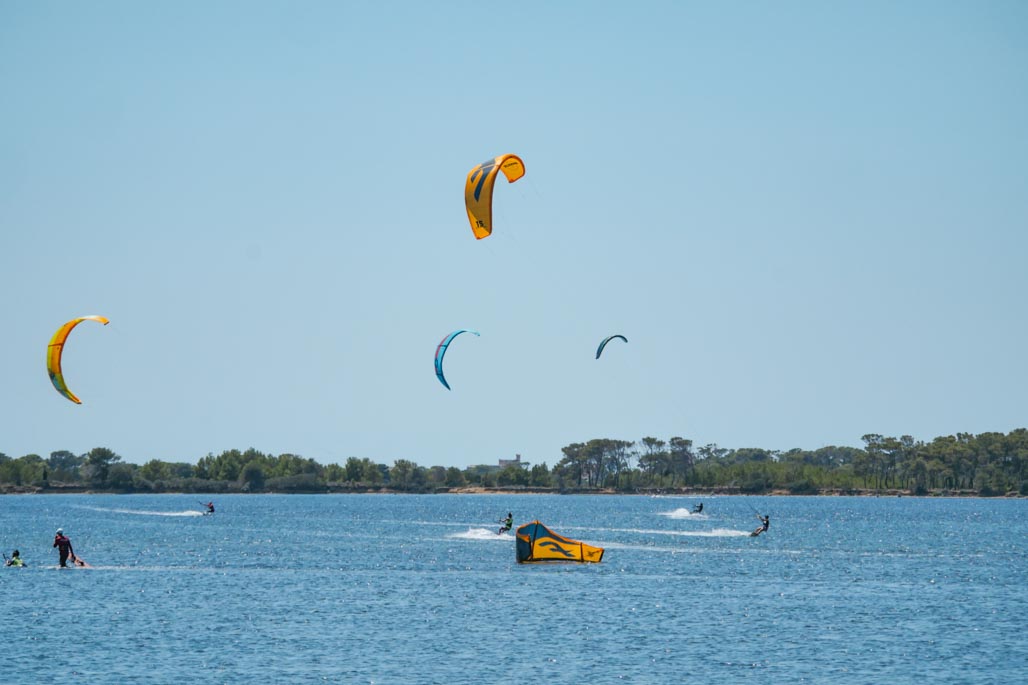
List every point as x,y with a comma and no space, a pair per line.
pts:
766,521
63,545
698,509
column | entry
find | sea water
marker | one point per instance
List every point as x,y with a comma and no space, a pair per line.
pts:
421,589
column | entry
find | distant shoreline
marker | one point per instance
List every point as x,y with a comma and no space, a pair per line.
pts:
337,489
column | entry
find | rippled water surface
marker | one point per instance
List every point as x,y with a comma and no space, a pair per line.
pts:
421,589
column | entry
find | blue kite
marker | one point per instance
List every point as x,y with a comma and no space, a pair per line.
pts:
441,351
599,350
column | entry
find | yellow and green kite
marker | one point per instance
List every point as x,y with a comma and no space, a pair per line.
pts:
56,348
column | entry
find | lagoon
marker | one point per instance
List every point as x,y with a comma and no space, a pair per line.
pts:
420,589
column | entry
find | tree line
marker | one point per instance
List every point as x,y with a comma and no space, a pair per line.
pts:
985,464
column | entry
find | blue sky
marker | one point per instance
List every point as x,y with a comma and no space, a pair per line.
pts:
808,219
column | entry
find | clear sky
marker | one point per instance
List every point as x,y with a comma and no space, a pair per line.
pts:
809,219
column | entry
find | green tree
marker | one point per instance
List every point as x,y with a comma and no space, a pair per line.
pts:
293,465
654,461
401,475
573,465
540,476
371,473
618,456
23,470
65,465
710,451
252,476
155,470
121,476
355,469
436,476
334,473
454,477
870,466
225,466
681,458
99,461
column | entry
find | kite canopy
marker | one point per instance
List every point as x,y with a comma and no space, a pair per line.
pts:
536,543
599,350
56,348
440,352
478,191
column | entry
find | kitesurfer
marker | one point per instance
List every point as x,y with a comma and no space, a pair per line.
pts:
698,509
508,523
210,507
15,559
765,521
63,545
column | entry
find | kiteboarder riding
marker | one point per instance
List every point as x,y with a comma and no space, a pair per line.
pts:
766,521
698,509
210,508
508,523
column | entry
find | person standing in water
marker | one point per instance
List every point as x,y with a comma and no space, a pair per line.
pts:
15,559
63,546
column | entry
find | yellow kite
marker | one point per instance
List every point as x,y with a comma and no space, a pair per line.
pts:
478,191
53,355
536,542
